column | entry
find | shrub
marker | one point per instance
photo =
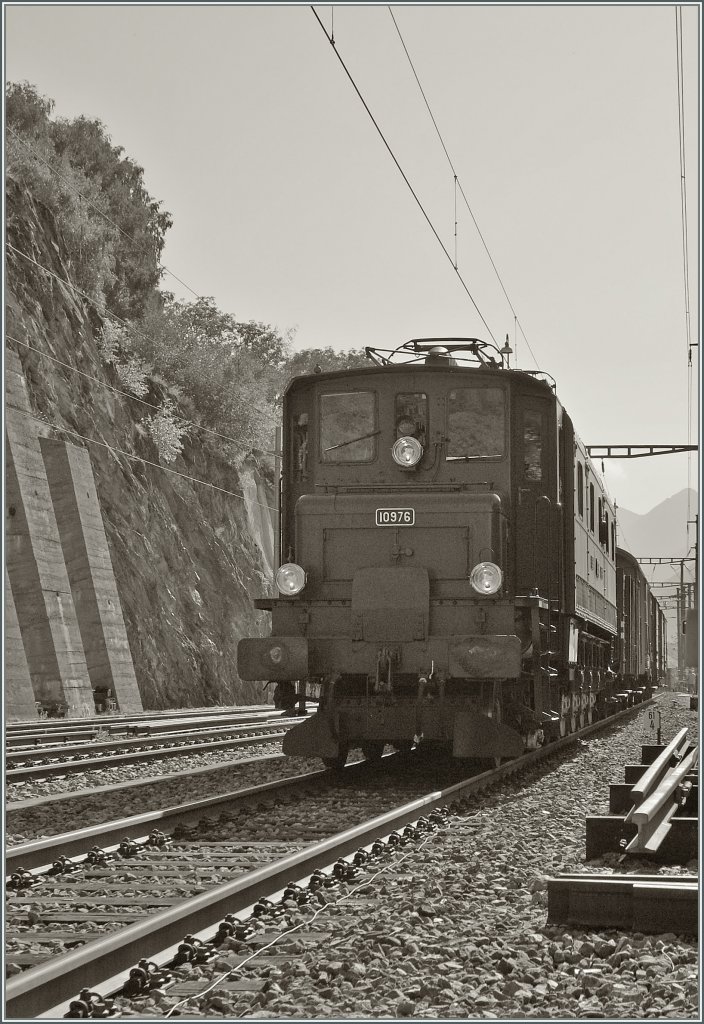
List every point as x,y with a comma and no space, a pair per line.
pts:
167,433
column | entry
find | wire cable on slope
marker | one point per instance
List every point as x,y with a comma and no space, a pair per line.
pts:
458,184
100,212
403,175
103,311
156,465
135,398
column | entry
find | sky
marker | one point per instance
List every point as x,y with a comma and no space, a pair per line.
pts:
561,122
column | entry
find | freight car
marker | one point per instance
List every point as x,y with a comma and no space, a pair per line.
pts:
642,640
448,560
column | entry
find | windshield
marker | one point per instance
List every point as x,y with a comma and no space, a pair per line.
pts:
348,427
475,423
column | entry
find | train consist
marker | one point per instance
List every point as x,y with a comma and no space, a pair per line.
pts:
642,643
449,567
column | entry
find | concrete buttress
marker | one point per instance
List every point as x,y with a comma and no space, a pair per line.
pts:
35,562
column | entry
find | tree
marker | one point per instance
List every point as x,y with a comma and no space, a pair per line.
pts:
114,230
327,359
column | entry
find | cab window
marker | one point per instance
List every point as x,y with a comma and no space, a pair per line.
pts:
591,507
580,490
411,415
348,427
475,423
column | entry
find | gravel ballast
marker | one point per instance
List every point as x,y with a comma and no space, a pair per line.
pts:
184,779
455,926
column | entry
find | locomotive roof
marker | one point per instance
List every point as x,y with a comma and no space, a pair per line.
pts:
527,377
625,556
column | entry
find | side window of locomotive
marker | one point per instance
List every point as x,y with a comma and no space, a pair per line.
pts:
613,540
591,507
348,428
476,423
300,446
580,490
532,446
411,415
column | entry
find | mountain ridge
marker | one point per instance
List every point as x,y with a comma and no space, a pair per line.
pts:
663,530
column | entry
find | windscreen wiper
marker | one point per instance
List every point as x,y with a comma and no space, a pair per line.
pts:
352,441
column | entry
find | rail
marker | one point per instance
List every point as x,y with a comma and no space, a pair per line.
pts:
61,768
42,990
659,794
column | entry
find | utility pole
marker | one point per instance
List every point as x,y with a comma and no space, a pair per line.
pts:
679,633
680,620
695,523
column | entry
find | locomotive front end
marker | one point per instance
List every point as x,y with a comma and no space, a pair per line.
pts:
395,594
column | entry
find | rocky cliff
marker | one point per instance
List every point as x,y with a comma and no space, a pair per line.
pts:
188,558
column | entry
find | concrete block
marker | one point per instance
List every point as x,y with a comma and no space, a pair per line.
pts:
34,559
19,695
89,566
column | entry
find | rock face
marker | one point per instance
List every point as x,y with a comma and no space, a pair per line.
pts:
187,558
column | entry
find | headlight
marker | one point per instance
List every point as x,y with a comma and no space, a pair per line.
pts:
290,579
407,451
486,578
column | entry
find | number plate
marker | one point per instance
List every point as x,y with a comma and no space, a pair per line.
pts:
395,517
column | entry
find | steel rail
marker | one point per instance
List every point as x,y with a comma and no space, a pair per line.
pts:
654,773
146,727
653,816
90,764
135,784
41,988
43,852
147,741
98,720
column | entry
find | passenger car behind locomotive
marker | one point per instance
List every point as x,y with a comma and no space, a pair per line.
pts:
449,559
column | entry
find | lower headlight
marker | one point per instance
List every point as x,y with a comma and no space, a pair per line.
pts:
486,578
407,451
290,579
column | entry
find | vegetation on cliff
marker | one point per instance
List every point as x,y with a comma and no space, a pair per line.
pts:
220,373
188,394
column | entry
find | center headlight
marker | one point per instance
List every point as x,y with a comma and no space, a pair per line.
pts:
407,451
486,578
290,579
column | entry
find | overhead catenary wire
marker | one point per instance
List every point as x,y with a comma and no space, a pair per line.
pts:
101,213
685,240
102,310
683,168
403,174
458,185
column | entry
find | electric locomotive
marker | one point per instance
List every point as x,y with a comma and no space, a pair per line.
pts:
448,560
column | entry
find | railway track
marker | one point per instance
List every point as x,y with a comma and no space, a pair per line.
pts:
32,764
59,726
62,733
261,869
